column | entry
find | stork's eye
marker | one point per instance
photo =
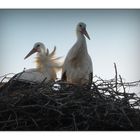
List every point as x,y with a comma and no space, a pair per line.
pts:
37,45
80,25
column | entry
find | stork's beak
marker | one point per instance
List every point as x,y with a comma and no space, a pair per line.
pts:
84,31
30,53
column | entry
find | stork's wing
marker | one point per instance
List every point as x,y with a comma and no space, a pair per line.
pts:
53,52
31,75
72,54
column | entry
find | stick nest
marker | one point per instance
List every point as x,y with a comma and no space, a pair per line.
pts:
59,106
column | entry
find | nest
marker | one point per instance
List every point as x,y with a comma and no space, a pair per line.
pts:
58,106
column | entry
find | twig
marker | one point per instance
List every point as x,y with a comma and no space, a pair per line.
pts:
116,77
74,121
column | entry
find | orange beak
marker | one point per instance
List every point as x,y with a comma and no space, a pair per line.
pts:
30,53
84,31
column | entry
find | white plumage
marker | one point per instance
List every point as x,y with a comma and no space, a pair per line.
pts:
47,65
78,65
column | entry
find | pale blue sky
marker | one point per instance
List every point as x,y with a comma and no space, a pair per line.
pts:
114,37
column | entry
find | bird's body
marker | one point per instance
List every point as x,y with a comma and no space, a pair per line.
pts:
47,65
78,65
31,75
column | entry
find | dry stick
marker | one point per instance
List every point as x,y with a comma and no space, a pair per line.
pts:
33,120
16,118
8,84
74,121
108,88
131,124
40,83
5,76
124,91
3,79
135,83
116,77
43,81
5,123
28,106
97,91
123,86
9,121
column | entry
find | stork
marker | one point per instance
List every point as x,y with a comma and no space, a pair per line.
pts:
47,65
78,65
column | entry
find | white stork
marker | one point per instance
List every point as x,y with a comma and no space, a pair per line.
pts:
78,65
47,65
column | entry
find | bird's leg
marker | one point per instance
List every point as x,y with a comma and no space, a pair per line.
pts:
64,76
90,78
89,84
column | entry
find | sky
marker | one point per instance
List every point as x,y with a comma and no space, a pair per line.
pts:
115,37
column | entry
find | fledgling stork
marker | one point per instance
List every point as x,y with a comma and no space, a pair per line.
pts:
78,65
47,65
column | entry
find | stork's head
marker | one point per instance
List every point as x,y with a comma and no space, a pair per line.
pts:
38,47
81,27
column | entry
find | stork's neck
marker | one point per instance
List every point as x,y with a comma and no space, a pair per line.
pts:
81,43
80,37
41,60
42,52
